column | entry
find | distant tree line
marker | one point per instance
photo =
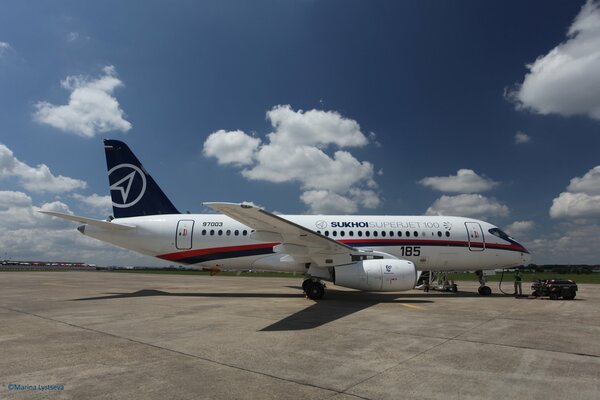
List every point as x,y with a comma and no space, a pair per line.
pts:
563,269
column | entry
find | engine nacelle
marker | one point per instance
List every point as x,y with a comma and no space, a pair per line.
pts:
382,275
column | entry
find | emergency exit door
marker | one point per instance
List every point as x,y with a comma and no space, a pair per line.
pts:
475,235
185,230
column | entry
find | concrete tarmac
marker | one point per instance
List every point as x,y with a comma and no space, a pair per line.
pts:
102,335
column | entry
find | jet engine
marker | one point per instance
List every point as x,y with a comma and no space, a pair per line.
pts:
378,275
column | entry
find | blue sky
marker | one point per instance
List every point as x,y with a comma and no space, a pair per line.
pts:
482,109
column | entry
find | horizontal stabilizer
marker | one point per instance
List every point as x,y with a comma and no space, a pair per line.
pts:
89,221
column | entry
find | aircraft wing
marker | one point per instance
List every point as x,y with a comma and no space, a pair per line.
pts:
89,221
302,244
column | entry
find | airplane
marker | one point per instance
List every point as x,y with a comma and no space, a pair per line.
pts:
364,252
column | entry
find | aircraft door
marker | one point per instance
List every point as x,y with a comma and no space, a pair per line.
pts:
475,235
183,238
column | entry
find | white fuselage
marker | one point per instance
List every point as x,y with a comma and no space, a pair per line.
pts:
435,243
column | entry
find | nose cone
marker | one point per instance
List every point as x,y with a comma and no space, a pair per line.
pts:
526,258
81,228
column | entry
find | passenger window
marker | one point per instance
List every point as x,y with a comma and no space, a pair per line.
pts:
228,232
367,233
220,232
236,233
399,233
212,232
203,232
244,232
416,233
407,234
351,233
439,234
447,234
326,233
391,233
360,233
334,233
375,233
342,233
383,233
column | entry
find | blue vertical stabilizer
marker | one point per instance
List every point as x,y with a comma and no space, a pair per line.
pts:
132,189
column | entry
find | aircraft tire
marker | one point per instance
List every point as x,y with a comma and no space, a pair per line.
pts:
484,290
305,285
315,290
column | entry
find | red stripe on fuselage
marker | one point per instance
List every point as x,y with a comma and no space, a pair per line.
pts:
427,242
199,252
380,242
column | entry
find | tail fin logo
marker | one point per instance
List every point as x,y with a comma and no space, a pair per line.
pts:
130,181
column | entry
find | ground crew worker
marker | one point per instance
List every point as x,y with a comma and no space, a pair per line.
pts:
518,289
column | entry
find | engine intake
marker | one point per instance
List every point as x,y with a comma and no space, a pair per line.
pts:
383,275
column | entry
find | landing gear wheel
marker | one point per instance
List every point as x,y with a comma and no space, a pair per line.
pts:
454,288
535,293
484,290
314,290
305,285
553,296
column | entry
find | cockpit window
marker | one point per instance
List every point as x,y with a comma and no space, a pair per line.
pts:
501,234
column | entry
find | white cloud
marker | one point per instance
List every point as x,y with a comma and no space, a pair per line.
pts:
468,205
234,147
26,234
298,150
5,49
310,166
327,202
575,205
10,199
589,183
519,228
73,37
37,179
582,198
99,203
465,181
92,108
313,128
570,243
366,198
17,212
566,80
522,137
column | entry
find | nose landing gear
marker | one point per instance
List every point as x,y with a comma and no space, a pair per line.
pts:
484,289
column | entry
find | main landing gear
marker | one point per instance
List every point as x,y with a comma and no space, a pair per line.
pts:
430,280
484,289
314,288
